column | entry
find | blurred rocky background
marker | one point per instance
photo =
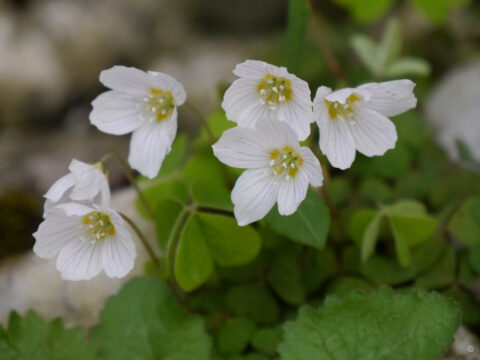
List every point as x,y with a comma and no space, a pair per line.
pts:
51,53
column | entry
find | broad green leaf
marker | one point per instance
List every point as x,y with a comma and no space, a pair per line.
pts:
343,286
209,238
441,274
389,47
394,164
309,225
438,10
253,300
168,213
366,50
31,338
204,167
157,190
228,243
318,266
382,270
408,66
298,14
427,254
465,224
193,262
206,194
285,275
366,11
175,157
265,340
381,325
234,335
144,321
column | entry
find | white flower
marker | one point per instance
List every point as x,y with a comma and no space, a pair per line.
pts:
266,91
353,119
85,240
278,169
84,182
142,103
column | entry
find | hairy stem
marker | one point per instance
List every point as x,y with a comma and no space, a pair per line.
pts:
131,179
143,239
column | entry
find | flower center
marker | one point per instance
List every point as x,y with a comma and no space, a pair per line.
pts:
160,104
285,162
98,226
274,90
341,111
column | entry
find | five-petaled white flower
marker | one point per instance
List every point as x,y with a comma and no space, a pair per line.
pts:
353,119
278,169
142,103
84,182
85,239
266,91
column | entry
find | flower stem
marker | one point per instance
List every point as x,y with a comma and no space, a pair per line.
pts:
318,28
128,173
143,239
203,120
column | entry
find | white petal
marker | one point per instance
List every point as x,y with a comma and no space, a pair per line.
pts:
311,166
89,181
118,253
73,209
240,95
116,113
254,69
149,146
253,195
54,233
58,189
241,148
342,95
373,133
126,79
254,113
291,193
276,134
162,81
337,143
320,110
80,260
391,98
298,117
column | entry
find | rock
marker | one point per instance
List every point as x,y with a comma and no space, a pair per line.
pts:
28,282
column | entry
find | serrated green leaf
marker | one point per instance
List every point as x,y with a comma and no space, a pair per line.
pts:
144,321
408,66
234,335
254,301
309,225
382,325
31,338
464,225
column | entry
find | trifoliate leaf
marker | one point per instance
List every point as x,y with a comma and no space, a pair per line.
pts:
31,338
266,340
254,301
366,50
427,254
285,276
234,335
408,66
389,46
144,321
382,270
175,156
212,196
465,224
441,274
168,213
218,124
376,191
158,190
382,325
204,167
309,225
364,227
209,238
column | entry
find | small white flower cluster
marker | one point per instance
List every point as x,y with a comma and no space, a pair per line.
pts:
274,110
